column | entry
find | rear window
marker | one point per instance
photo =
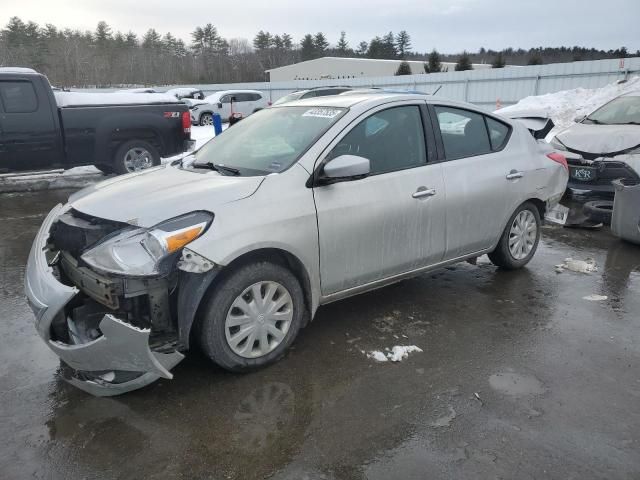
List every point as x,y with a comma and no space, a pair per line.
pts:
18,97
498,133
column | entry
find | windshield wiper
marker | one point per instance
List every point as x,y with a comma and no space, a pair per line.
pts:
597,122
218,168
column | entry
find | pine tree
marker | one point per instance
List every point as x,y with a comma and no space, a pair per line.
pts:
287,41
498,62
433,65
389,46
403,43
307,48
262,40
362,49
343,46
464,63
320,44
404,68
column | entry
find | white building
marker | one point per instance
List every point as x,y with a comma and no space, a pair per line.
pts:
327,68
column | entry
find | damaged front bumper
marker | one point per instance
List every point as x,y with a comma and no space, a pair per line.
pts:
597,174
116,357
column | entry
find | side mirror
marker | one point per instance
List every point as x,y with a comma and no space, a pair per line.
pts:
579,119
346,167
219,104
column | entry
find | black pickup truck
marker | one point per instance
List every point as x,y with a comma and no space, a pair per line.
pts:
116,132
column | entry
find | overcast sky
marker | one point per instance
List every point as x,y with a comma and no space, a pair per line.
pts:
447,25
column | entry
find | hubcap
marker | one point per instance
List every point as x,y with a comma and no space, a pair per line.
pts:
523,234
206,119
137,159
259,319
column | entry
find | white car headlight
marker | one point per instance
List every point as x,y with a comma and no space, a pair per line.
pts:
555,143
144,252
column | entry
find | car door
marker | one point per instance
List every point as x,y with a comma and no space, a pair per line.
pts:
225,111
390,222
29,138
481,178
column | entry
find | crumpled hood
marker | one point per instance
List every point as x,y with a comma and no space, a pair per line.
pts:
152,196
600,139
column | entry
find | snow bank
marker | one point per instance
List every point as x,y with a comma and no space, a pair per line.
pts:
71,99
566,105
397,353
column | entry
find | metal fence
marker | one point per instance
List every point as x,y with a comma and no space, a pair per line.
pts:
481,87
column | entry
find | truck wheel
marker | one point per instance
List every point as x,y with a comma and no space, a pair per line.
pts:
135,155
519,239
206,119
252,317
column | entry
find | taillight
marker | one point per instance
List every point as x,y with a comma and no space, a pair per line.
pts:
186,122
561,159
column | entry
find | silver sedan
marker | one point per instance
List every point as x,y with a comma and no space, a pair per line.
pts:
236,246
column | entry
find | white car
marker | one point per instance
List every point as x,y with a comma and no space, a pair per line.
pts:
226,102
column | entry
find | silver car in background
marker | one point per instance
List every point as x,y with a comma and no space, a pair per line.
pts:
236,246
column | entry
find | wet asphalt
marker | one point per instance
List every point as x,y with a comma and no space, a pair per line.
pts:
519,377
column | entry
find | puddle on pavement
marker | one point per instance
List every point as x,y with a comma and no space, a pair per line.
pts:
516,385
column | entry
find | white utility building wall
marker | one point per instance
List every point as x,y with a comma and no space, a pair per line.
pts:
330,68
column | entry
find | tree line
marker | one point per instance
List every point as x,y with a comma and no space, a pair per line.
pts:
104,57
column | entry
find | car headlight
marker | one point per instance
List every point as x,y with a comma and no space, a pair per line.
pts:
557,144
147,252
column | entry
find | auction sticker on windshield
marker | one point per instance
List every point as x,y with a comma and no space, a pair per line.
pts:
322,112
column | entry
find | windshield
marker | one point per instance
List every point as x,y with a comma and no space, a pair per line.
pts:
619,111
269,141
288,98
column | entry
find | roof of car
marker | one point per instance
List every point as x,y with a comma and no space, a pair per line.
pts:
633,93
17,70
346,101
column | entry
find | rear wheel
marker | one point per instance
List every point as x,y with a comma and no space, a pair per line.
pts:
206,119
135,155
252,317
519,239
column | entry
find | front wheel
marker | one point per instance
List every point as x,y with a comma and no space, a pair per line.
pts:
519,239
206,119
252,317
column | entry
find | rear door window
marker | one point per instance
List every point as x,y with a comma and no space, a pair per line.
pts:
18,97
464,133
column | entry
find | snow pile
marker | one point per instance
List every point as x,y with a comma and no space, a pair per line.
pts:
562,107
579,266
397,353
595,298
72,99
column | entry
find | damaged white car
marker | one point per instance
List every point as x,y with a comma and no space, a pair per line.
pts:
604,145
236,246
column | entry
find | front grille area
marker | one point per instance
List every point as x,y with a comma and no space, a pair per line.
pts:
609,170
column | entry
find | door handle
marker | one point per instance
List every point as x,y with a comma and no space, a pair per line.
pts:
424,192
513,174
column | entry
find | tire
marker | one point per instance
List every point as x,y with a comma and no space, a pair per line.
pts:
124,158
503,256
206,119
217,337
599,211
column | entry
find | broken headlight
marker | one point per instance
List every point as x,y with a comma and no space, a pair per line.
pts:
141,251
